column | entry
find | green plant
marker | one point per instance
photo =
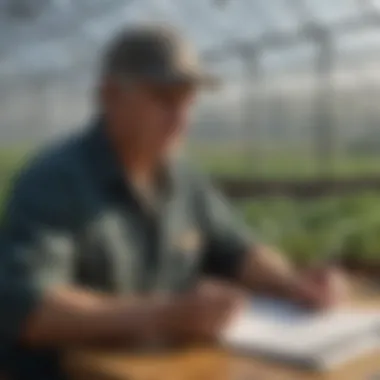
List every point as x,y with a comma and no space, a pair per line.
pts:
317,229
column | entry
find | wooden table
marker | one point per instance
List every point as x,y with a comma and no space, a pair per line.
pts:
209,364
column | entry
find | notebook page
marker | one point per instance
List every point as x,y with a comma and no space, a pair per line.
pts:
279,328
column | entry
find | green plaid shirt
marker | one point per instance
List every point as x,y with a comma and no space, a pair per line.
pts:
73,219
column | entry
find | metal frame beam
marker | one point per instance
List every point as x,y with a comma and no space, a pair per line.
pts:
310,31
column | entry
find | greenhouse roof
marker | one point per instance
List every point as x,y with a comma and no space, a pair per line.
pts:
59,34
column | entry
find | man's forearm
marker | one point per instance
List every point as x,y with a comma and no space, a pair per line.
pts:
72,317
266,270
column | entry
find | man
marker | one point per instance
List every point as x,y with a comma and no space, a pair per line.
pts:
110,238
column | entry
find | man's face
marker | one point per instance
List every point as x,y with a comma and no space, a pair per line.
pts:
153,116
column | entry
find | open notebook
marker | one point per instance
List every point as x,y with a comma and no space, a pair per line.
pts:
320,341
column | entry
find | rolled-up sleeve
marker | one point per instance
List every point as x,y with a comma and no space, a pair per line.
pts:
36,249
228,238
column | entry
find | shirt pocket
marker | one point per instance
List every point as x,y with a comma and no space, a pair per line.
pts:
186,259
110,255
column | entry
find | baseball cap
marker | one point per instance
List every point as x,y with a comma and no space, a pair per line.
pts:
156,53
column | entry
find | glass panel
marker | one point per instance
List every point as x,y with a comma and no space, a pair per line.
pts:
333,10
280,14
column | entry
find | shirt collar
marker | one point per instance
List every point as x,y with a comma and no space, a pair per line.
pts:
102,154
108,168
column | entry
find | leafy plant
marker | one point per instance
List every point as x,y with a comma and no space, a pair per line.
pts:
319,229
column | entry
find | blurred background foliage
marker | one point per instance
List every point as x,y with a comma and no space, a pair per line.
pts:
345,227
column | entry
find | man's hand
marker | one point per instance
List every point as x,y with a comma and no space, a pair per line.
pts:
268,271
201,313
321,287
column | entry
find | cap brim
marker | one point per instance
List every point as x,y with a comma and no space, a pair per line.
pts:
208,82
202,80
